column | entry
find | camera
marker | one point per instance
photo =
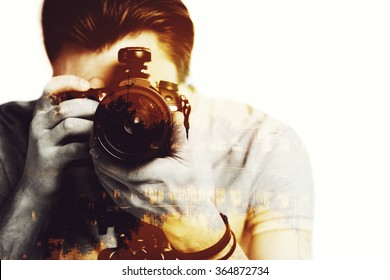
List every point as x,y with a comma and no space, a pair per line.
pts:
133,122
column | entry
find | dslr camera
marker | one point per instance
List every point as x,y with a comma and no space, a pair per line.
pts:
133,122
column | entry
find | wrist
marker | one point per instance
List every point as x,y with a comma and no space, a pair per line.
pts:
190,247
191,233
31,198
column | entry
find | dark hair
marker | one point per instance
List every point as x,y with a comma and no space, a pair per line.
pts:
97,24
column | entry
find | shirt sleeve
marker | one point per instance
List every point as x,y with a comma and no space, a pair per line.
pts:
282,194
4,185
15,119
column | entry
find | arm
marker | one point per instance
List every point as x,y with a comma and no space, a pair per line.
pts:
22,218
284,244
280,225
25,211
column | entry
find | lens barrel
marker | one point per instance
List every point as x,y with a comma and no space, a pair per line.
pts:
134,123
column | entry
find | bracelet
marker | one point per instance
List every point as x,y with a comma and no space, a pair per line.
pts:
213,250
231,251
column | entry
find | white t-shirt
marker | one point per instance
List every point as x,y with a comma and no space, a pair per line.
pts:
257,166
254,168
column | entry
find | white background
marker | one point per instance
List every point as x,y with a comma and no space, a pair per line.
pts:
321,66
277,270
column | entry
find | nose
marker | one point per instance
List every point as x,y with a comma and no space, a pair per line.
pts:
97,82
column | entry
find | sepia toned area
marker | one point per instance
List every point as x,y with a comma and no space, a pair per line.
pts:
85,178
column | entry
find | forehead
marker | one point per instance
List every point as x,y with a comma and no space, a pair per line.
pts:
74,60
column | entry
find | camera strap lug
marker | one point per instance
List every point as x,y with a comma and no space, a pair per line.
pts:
186,108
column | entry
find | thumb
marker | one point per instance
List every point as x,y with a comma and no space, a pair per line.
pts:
179,136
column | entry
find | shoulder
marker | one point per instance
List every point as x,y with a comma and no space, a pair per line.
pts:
260,156
244,137
240,122
238,135
17,114
237,113
15,119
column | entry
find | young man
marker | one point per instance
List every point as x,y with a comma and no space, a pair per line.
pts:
238,187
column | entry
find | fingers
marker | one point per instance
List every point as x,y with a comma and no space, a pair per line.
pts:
121,171
130,198
52,124
179,136
72,151
74,108
69,127
60,84
153,170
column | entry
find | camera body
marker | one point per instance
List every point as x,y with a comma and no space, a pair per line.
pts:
133,122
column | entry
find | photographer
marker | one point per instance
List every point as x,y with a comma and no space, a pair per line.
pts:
236,186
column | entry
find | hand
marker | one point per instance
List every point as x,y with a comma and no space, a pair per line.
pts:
169,186
165,192
148,190
51,126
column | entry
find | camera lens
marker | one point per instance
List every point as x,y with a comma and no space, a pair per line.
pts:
133,124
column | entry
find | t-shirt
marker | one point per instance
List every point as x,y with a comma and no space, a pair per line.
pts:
253,167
